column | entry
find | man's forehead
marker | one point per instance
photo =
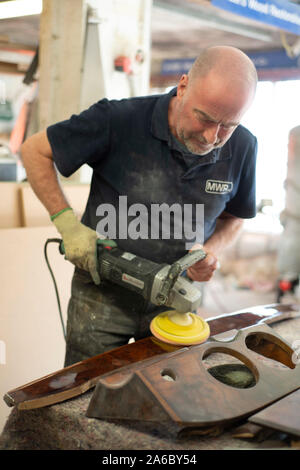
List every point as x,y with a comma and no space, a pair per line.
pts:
218,102
202,114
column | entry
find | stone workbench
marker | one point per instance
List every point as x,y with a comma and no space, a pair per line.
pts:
65,426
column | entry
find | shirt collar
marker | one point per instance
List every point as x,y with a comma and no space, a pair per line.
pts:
160,122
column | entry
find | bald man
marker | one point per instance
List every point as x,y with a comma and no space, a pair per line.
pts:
182,149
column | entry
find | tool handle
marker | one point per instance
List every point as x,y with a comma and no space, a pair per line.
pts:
175,270
191,258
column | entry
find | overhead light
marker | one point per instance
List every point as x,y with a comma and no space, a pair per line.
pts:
15,8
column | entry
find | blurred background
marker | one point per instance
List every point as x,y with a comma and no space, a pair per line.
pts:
57,57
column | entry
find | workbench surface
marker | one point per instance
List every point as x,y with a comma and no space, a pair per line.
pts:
64,426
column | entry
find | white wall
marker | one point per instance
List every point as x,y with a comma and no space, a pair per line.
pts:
274,113
32,343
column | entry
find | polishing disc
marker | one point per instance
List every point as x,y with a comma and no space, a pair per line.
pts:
182,329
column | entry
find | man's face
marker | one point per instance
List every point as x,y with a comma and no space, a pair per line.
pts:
207,113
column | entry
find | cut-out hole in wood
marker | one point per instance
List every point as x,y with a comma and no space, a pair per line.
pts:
169,375
270,349
229,369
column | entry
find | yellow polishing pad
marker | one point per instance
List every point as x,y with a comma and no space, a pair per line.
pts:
180,328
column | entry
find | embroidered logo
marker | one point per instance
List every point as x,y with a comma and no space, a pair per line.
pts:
218,187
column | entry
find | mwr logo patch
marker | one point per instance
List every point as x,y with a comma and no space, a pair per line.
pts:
218,187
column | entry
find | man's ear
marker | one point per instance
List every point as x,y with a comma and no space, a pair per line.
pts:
182,85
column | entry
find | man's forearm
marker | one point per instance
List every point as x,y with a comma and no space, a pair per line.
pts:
225,234
41,173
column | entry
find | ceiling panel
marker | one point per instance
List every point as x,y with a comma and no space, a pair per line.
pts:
23,31
180,29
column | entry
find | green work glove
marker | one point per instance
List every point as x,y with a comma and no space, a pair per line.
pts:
80,242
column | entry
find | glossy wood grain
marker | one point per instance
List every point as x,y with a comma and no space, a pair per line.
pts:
80,377
193,397
284,415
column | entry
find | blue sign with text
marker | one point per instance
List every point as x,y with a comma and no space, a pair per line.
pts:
280,13
270,65
277,59
176,66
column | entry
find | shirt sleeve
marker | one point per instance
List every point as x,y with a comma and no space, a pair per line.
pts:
84,138
243,204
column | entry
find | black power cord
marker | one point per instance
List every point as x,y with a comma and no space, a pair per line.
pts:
55,240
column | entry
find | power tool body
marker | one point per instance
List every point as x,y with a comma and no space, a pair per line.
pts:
162,285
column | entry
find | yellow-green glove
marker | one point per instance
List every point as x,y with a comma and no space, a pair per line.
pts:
80,242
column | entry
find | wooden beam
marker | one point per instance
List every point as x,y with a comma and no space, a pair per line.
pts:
62,33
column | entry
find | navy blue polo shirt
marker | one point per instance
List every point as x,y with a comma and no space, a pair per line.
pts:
128,145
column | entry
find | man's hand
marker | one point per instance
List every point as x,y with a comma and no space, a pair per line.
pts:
80,242
227,228
204,269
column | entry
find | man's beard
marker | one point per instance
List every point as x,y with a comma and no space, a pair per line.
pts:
194,147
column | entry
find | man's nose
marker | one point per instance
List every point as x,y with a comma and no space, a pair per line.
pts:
211,133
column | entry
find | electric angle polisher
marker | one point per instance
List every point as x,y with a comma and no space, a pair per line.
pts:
162,285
